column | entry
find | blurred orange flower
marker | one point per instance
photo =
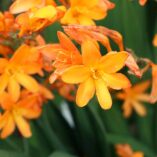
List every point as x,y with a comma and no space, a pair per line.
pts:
7,24
102,34
17,113
155,40
124,150
133,96
84,12
97,73
142,2
5,50
153,96
36,19
17,71
20,6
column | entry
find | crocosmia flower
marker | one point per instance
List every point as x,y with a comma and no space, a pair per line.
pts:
97,74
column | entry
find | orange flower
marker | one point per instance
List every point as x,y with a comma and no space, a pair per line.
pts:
153,96
5,51
102,34
66,55
17,71
142,2
132,97
36,19
84,12
99,33
155,40
124,150
7,24
17,113
97,73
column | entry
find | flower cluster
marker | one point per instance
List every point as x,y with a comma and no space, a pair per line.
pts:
83,66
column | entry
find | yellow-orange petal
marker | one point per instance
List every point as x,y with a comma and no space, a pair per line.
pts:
3,63
141,87
85,92
14,89
68,18
113,62
46,93
9,127
127,108
138,154
21,53
5,101
143,97
47,12
83,3
96,13
21,5
22,125
116,81
155,40
90,52
103,94
76,74
30,113
3,82
139,108
32,68
27,81
3,119
85,20
66,43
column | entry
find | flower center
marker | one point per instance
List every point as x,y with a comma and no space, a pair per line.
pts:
94,73
11,69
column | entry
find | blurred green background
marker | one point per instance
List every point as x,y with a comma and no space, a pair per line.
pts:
91,131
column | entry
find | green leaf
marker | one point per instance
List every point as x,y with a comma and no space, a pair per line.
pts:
114,120
6,153
61,154
84,131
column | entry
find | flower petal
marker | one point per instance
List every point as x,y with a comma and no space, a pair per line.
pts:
14,89
143,97
139,108
8,128
113,62
3,82
3,63
85,20
47,12
83,3
66,43
21,6
127,109
85,92
103,94
116,81
76,74
22,125
141,87
28,82
90,52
